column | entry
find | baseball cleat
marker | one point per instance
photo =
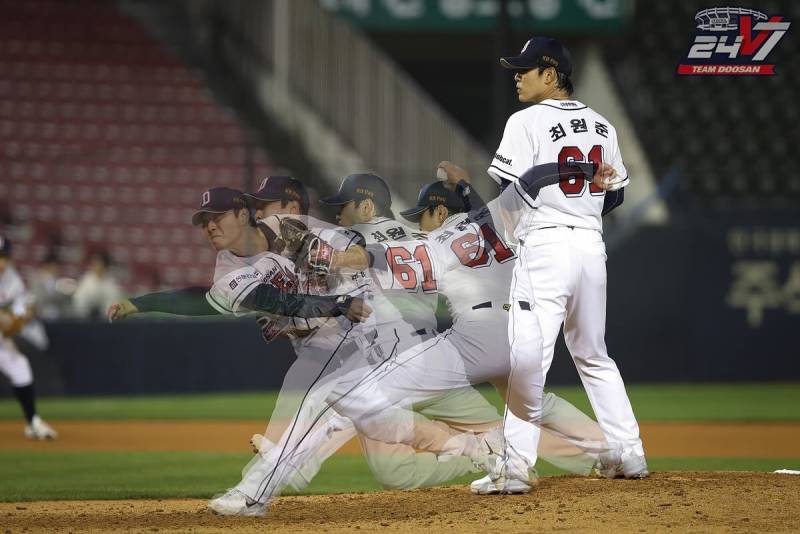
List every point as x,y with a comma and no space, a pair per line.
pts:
234,502
485,486
608,465
634,466
38,429
630,466
494,486
509,474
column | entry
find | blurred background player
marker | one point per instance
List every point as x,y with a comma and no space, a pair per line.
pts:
46,286
15,312
97,288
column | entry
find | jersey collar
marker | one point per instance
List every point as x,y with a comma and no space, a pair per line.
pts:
566,105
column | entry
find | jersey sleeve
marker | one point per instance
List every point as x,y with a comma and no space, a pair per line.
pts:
231,288
516,151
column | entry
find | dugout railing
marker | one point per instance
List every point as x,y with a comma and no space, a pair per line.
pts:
351,106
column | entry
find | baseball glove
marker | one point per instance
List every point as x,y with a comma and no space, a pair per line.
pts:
315,255
293,233
11,324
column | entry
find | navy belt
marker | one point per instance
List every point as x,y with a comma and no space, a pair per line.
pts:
488,304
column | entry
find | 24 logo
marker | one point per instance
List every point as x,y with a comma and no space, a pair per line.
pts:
733,40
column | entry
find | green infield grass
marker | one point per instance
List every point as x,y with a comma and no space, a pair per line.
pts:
29,476
41,475
670,402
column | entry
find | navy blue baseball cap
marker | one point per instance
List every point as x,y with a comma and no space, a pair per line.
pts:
541,52
361,187
433,195
218,200
274,188
5,246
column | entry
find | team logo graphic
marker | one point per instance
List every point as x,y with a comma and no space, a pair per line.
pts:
733,40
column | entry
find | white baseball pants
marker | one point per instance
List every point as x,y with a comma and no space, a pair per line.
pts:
560,278
14,364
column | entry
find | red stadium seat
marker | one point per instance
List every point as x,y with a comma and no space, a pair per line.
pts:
107,140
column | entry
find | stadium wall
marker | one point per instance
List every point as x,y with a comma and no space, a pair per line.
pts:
708,299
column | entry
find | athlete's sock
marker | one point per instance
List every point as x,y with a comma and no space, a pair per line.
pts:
26,399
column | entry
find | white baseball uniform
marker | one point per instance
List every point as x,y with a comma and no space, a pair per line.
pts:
15,299
318,435
467,261
560,276
235,277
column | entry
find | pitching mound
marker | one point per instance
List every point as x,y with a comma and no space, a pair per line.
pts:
676,501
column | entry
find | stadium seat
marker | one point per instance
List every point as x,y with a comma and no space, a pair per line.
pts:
109,137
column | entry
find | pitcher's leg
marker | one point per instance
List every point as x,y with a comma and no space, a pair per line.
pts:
381,406
300,381
398,466
527,337
584,333
464,409
570,439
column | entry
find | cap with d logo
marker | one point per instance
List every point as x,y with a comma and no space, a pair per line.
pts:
218,200
541,52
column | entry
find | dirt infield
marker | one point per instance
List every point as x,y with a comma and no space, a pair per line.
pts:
753,440
667,502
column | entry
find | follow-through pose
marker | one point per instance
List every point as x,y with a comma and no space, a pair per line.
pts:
389,431
395,465
250,277
380,415
379,402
